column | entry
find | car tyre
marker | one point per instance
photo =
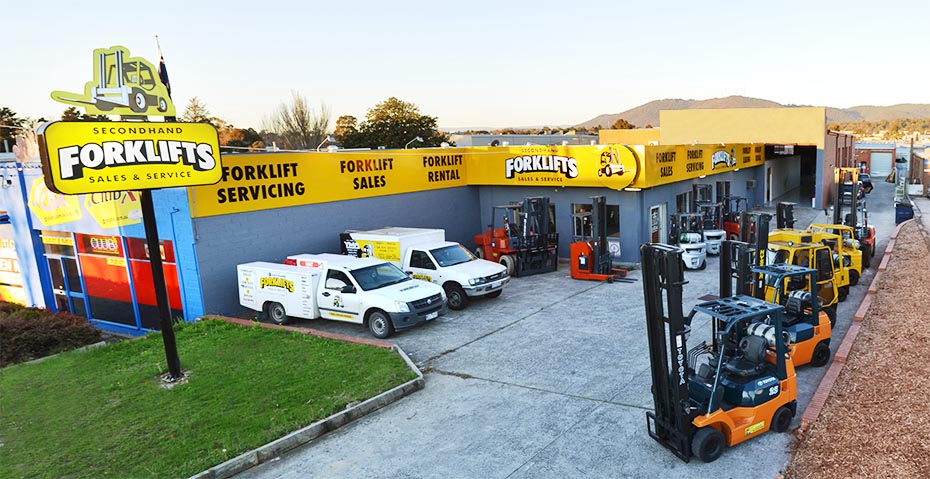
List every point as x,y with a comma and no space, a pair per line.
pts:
708,444
457,299
379,324
277,314
510,262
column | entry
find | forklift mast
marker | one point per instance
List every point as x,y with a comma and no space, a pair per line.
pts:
784,215
736,261
840,177
663,278
701,193
754,229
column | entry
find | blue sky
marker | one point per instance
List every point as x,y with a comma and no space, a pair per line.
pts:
478,63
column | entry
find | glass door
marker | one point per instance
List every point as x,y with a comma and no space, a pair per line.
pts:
66,284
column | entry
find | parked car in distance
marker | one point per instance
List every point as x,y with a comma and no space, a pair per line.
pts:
866,181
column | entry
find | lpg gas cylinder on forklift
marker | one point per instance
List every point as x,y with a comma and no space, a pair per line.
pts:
590,252
522,237
734,386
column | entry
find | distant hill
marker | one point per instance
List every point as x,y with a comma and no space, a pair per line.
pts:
648,114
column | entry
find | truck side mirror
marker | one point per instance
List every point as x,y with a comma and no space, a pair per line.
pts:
348,289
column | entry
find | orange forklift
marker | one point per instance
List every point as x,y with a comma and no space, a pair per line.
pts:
806,324
732,207
525,239
590,253
735,385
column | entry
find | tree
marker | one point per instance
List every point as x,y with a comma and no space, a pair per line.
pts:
392,124
297,126
346,126
196,112
10,126
622,124
240,138
73,114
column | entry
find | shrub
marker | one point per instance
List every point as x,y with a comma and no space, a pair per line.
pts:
31,333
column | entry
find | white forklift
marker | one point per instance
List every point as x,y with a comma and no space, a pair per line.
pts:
687,232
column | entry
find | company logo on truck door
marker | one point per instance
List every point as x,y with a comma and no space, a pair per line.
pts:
564,165
276,282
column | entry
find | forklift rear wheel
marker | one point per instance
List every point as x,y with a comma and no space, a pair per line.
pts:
821,355
707,444
495,293
456,296
139,103
853,277
703,265
510,262
380,325
782,419
831,313
843,293
276,313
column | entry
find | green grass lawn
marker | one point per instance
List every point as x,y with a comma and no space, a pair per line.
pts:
103,413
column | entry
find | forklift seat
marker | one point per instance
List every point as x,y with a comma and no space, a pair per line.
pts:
750,361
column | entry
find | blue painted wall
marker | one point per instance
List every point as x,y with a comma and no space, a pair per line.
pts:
222,242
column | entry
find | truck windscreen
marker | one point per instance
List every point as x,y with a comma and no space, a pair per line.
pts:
452,255
378,276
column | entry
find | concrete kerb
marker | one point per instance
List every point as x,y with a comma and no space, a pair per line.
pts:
825,388
302,436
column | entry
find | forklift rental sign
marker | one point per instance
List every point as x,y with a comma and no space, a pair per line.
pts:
94,157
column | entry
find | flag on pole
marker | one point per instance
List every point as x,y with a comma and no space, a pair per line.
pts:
163,73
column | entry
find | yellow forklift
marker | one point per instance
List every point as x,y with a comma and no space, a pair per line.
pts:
735,385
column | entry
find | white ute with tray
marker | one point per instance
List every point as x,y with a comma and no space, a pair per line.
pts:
364,291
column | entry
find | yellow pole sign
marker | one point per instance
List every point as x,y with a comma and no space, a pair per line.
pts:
95,157
122,85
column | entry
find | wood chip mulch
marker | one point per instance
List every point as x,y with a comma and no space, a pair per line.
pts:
876,422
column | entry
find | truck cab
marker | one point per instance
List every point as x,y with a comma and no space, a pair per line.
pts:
425,254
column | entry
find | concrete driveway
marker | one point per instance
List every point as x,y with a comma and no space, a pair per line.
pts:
549,380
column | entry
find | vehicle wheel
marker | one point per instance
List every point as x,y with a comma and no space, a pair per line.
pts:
821,355
510,262
456,296
162,105
703,265
494,294
276,313
479,253
831,313
866,256
138,102
600,172
707,444
734,237
843,293
607,172
782,419
853,277
380,325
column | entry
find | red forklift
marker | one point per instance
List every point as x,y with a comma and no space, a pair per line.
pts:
736,384
590,252
522,237
732,207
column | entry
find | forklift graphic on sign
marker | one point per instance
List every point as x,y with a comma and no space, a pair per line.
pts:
122,85
610,164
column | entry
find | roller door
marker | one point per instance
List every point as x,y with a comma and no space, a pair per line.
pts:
880,164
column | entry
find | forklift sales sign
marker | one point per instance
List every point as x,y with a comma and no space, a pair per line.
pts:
96,157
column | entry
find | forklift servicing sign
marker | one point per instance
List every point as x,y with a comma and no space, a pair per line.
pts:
94,157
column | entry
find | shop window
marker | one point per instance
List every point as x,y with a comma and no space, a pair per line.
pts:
683,202
103,265
138,254
581,220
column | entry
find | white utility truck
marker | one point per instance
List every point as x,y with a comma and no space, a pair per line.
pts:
425,254
364,291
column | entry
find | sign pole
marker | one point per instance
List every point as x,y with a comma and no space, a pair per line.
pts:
161,291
